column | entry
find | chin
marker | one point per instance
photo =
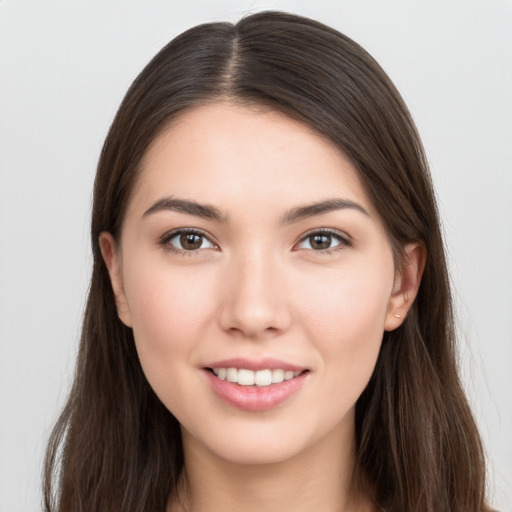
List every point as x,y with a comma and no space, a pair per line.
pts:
242,442
261,452
265,442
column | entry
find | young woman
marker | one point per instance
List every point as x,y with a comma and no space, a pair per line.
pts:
269,323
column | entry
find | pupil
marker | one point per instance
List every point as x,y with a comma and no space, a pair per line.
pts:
190,241
321,241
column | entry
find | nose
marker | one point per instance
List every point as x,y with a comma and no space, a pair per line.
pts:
254,299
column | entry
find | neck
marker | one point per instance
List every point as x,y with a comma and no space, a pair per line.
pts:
319,479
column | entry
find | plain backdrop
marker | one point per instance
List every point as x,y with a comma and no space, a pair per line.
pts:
64,67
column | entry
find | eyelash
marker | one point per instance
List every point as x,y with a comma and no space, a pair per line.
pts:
344,241
166,239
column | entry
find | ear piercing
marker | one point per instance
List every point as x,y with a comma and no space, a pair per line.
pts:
398,316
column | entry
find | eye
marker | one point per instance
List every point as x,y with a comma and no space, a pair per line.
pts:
323,241
186,240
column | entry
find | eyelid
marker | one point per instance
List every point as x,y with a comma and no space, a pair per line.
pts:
169,235
344,239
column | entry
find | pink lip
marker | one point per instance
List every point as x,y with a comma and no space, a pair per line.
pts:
255,364
253,398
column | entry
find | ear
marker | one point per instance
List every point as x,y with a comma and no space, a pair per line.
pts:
111,257
407,283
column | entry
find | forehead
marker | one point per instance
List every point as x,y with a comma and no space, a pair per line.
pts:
227,154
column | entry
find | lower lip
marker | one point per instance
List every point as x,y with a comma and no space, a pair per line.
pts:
254,398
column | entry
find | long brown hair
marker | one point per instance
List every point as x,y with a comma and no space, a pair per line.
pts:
115,446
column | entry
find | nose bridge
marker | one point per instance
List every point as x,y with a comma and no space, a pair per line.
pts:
255,301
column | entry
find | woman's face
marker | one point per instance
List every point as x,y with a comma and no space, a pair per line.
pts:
258,281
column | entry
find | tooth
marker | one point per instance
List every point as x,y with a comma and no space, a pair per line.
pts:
245,377
263,378
232,375
277,376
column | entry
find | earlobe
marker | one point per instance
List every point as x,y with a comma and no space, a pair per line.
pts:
406,286
111,257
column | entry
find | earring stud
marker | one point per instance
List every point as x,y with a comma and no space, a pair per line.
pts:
398,316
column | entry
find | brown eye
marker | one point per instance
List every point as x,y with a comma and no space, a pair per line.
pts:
191,241
319,242
324,241
186,241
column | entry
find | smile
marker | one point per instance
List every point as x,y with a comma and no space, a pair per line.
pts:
261,378
255,385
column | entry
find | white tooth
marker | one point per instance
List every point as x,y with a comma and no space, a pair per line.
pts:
263,378
277,376
221,373
288,374
232,375
245,377
297,373
215,371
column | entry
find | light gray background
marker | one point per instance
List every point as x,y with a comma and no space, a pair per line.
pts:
64,67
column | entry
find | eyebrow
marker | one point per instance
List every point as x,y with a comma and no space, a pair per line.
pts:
329,205
185,206
290,217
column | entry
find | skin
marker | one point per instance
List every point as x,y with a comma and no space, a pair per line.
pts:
258,287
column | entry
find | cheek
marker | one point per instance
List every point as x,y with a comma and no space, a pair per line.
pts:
168,307
345,317
162,298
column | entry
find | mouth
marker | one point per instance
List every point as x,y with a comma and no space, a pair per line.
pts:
255,385
255,378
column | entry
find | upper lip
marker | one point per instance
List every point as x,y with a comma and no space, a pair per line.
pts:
256,364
